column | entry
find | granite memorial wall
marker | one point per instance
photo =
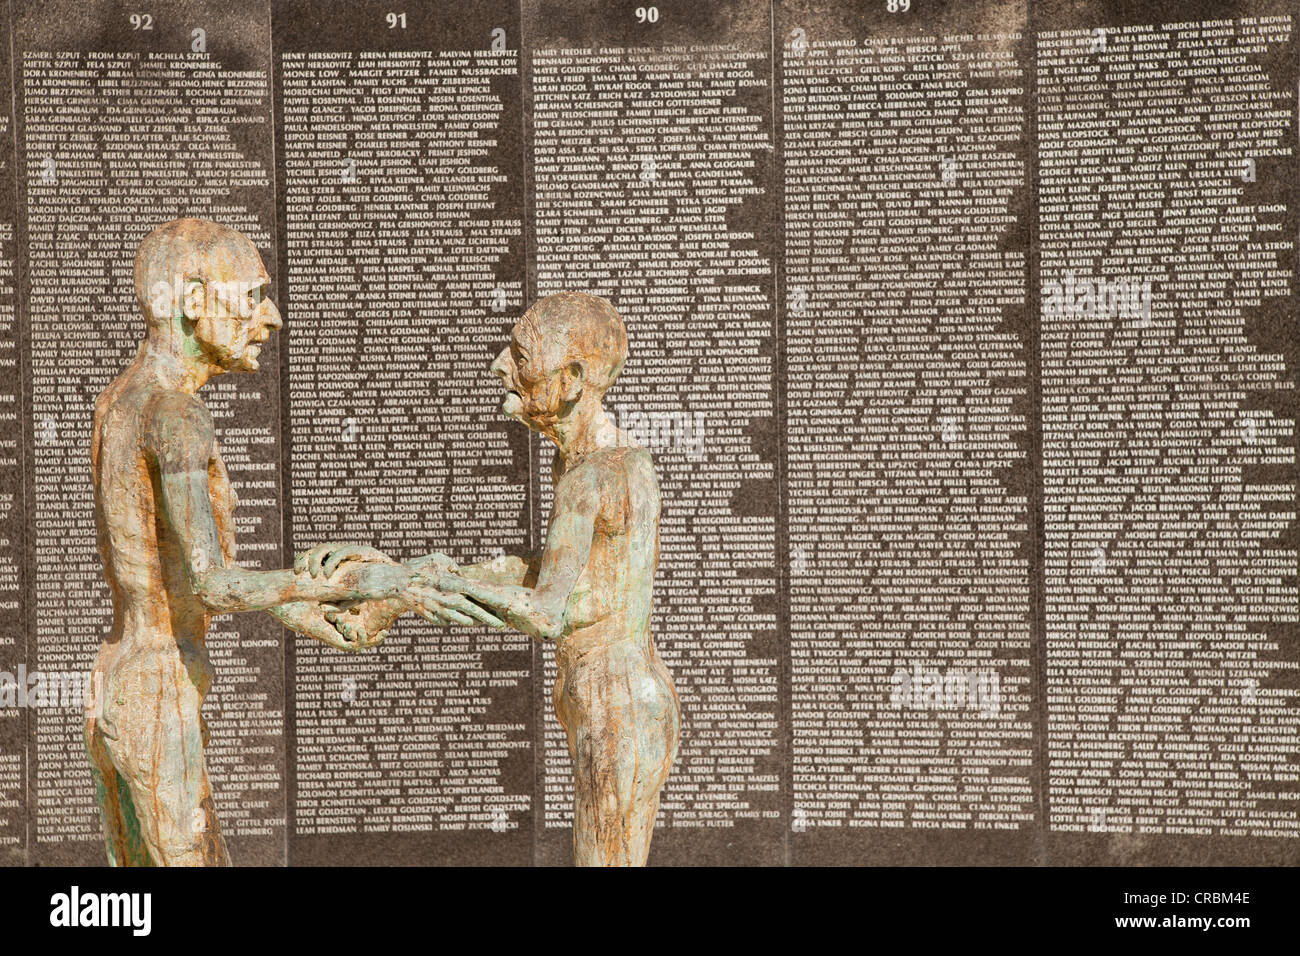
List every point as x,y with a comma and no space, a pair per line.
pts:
963,333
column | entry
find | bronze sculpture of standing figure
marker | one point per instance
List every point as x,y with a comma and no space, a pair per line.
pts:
164,513
589,590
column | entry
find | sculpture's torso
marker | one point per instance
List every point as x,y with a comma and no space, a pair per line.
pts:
613,694
155,612
146,737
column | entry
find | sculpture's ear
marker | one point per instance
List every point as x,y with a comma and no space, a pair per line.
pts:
571,377
193,298
162,305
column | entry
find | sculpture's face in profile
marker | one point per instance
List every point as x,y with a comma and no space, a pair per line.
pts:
530,370
231,312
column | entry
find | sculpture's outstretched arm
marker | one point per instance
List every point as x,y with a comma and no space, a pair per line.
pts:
179,437
539,611
519,570
367,622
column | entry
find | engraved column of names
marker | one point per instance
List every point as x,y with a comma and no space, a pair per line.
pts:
1168,426
13,637
400,276
649,181
906,390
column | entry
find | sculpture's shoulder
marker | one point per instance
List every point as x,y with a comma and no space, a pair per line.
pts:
637,467
621,482
619,465
177,426
122,410
125,393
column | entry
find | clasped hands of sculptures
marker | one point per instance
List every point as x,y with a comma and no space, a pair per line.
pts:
164,513
383,589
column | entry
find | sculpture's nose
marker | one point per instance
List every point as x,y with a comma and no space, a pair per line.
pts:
501,365
271,315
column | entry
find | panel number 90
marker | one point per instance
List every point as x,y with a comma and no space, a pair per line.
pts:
647,14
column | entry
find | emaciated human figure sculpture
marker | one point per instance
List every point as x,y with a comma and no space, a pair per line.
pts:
164,515
590,589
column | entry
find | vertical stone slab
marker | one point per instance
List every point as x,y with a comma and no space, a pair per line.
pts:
907,339
401,191
1167,221
13,635
128,119
651,169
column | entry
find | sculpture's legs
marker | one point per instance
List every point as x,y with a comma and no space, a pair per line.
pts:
146,751
611,834
117,809
621,716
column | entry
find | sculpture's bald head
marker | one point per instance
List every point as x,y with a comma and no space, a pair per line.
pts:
212,276
187,250
565,345
577,326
